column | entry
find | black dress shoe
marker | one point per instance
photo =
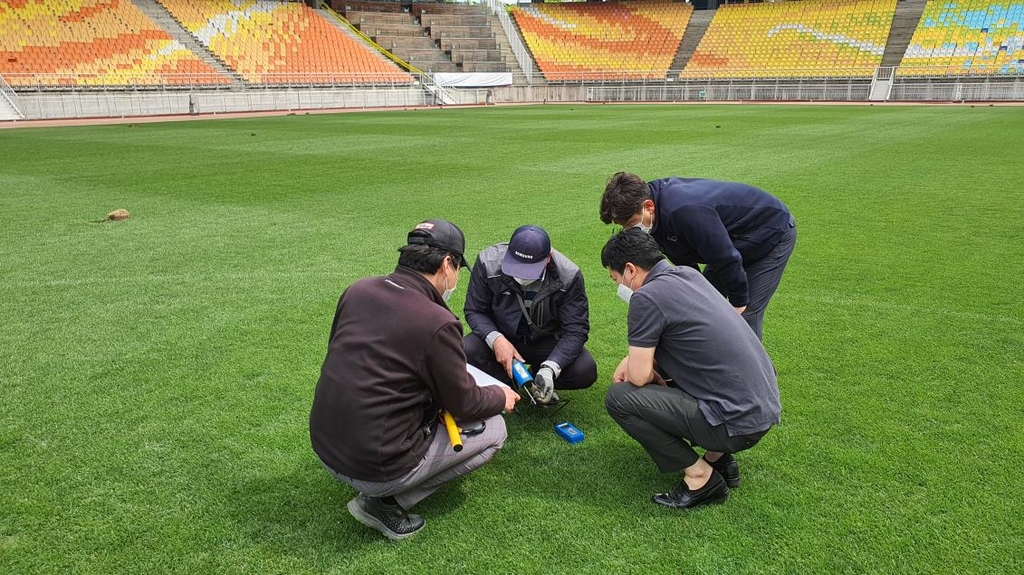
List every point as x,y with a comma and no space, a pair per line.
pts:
714,491
388,518
730,470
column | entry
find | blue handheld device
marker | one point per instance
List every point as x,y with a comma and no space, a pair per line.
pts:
521,374
569,432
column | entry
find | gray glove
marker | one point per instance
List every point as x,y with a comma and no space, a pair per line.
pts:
544,386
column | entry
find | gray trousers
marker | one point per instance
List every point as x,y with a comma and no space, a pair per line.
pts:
763,278
440,465
667,422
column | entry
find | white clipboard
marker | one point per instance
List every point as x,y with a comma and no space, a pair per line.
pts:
482,379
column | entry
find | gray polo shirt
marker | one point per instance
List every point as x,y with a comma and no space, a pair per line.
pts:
706,348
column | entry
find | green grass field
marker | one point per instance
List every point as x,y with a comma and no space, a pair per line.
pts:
157,373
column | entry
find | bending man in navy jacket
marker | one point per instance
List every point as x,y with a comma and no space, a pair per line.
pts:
742,234
527,301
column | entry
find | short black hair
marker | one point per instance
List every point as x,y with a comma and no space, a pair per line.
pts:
425,259
623,197
630,246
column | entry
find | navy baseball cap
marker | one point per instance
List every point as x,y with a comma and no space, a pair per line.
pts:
440,234
527,253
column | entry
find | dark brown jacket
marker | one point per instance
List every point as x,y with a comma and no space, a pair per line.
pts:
395,355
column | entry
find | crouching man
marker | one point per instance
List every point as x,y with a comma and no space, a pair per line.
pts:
394,359
527,301
696,374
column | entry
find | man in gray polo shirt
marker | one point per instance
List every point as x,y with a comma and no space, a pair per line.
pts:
696,374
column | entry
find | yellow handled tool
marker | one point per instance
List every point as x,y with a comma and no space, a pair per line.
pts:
453,431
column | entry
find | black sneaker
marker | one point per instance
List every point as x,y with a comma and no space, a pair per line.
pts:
730,470
714,491
388,518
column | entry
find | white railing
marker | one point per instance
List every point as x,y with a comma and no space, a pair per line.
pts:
518,48
124,104
308,93
443,96
958,72
126,81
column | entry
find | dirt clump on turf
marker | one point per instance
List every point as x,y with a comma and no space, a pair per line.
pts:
118,215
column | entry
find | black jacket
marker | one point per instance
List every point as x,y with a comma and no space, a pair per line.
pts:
560,308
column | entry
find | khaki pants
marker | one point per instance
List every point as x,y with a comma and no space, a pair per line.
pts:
440,465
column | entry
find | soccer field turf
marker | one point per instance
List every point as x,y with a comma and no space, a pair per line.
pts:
157,373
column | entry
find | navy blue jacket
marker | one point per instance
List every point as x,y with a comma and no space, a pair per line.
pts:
724,225
560,308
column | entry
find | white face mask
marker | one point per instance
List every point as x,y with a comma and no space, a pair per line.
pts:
623,291
524,282
449,291
644,228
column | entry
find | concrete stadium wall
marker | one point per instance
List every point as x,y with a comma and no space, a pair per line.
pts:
50,105
766,90
55,105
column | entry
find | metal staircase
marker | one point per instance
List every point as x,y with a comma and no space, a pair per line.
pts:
9,102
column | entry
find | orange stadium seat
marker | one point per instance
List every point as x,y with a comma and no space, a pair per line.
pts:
68,43
805,38
615,40
277,43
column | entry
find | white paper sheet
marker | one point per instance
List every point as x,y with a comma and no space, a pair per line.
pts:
482,379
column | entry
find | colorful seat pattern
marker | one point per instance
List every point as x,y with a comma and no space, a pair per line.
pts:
69,43
806,38
281,43
978,37
620,40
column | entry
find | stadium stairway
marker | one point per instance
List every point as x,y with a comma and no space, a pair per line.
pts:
698,24
505,46
434,37
468,29
398,33
7,110
904,22
163,19
335,22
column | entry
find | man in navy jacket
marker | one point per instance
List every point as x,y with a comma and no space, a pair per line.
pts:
527,301
743,235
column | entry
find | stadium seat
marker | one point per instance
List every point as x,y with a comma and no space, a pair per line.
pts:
807,38
277,43
69,43
617,40
967,37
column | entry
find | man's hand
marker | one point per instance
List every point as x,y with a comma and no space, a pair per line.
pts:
511,397
504,353
620,372
740,309
545,384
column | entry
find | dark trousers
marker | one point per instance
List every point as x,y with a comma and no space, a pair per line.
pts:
763,278
579,374
667,422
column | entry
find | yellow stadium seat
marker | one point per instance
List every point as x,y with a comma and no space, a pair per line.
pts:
794,38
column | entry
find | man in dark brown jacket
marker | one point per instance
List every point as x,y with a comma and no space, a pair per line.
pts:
394,359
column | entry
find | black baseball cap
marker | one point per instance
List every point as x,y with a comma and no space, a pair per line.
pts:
440,234
527,253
